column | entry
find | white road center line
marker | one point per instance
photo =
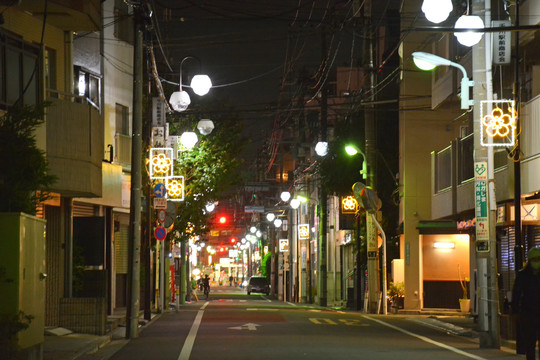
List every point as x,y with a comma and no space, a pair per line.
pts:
190,339
426,339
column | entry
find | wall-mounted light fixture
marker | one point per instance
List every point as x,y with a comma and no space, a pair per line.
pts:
444,245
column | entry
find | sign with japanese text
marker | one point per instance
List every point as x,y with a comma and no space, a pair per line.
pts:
502,43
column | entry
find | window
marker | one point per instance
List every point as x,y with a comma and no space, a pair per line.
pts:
122,119
87,85
50,69
123,22
19,67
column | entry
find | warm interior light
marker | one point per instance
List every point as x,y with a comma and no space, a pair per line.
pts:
437,11
201,84
469,38
444,245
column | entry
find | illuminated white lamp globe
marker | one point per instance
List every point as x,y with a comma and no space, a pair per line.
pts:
210,207
277,223
188,139
253,229
469,38
423,65
270,217
201,84
179,100
437,11
205,126
295,203
258,233
321,148
285,196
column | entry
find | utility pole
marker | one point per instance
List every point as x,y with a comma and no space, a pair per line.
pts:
132,316
486,206
370,148
323,216
518,248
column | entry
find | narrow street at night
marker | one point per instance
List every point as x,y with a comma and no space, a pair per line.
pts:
233,325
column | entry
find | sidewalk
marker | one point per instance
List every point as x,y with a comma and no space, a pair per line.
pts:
62,344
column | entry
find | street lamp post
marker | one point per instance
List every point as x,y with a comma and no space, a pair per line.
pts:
488,304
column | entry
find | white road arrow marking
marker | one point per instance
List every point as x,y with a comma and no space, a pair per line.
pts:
248,326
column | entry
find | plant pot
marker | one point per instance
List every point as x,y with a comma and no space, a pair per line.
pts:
465,305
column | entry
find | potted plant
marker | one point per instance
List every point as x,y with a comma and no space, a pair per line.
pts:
464,301
396,292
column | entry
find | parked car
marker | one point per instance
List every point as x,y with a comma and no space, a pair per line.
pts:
258,284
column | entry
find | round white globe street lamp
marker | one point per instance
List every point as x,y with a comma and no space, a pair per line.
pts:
253,229
188,139
277,223
295,203
205,126
201,84
437,11
321,148
469,38
285,196
270,217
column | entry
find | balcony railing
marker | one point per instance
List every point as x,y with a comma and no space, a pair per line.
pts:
74,145
122,146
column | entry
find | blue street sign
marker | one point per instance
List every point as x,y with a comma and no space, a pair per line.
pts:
160,190
160,233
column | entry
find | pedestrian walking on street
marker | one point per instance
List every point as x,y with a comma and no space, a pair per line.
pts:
526,304
193,290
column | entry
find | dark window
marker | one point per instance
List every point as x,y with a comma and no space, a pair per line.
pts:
123,22
50,69
19,71
122,119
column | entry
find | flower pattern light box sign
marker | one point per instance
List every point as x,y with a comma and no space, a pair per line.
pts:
498,123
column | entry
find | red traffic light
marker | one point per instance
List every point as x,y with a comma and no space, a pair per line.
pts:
233,240
222,219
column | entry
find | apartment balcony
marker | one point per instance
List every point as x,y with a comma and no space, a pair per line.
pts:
74,146
452,177
67,14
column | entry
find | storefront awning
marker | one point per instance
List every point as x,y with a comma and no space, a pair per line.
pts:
437,227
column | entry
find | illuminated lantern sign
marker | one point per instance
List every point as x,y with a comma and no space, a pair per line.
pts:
349,205
283,245
175,188
161,165
498,126
303,231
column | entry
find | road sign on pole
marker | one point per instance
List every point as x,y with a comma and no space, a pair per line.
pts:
161,215
160,233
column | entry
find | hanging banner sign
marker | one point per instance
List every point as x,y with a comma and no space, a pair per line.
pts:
502,43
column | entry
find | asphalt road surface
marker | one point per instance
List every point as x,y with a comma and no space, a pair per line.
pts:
233,325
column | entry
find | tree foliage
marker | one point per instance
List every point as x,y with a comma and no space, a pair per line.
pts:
24,179
210,169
